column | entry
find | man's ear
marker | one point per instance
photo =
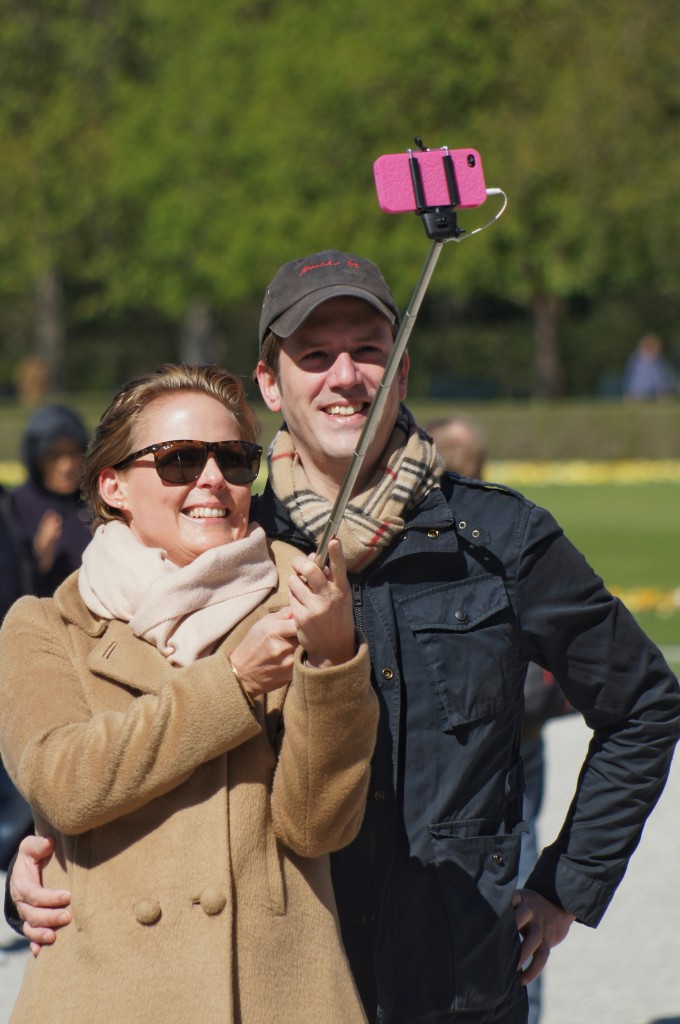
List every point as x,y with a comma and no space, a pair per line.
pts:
269,387
112,488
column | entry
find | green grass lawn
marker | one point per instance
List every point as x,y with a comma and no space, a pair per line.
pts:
631,537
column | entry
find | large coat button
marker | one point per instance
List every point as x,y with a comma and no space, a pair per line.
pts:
213,901
147,911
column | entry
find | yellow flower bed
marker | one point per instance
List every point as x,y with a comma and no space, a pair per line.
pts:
12,473
663,603
518,473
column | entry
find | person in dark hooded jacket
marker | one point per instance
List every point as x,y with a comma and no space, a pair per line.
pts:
47,509
45,531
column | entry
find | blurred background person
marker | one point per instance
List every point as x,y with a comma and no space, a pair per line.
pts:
48,511
44,533
15,580
462,444
648,375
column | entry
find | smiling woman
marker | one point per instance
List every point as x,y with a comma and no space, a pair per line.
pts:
192,792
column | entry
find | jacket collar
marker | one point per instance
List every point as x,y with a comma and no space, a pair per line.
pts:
430,526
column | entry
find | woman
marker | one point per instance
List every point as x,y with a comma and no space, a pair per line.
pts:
146,715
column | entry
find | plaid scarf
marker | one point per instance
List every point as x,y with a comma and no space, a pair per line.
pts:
410,468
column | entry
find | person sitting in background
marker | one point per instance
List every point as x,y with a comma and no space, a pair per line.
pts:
648,375
47,509
463,446
147,714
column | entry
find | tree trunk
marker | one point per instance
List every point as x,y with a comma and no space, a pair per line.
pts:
547,364
197,337
49,328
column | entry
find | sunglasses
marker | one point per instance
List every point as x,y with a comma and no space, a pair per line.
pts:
182,462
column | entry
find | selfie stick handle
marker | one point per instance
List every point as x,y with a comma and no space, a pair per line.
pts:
378,402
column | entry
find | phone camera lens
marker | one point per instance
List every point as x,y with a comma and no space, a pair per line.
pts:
471,160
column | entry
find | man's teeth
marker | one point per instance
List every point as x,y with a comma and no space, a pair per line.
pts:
207,513
344,410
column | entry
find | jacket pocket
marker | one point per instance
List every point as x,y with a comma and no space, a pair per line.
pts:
477,876
464,632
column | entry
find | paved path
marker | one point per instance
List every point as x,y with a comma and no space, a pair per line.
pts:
625,972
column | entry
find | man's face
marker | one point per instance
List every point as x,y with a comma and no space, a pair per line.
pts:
329,370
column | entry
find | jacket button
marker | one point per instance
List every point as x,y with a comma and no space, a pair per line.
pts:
433,534
498,859
475,534
213,901
379,795
147,911
387,673
462,524
461,615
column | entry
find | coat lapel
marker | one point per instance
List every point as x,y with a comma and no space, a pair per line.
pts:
123,658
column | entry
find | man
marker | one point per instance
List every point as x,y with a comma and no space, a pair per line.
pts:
458,585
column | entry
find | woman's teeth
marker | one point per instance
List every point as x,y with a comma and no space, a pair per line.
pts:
207,513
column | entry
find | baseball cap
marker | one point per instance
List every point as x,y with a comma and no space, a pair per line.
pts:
300,286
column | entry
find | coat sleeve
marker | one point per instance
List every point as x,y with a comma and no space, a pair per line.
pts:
81,769
617,678
330,719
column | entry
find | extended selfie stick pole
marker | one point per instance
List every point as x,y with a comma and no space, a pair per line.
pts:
441,226
377,404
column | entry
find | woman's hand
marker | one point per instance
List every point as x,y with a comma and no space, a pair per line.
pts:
321,601
42,910
264,659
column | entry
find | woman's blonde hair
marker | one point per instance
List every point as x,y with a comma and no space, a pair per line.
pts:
113,438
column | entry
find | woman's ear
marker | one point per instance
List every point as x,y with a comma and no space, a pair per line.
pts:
269,387
112,488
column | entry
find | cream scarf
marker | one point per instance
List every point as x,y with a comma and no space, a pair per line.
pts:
410,468
182,611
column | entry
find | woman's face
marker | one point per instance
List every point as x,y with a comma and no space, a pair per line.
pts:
184,519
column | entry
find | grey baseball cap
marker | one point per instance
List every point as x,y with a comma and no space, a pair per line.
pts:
300,286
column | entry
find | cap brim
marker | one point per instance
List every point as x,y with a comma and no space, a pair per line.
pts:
289,321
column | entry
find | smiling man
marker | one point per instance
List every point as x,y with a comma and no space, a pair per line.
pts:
457,586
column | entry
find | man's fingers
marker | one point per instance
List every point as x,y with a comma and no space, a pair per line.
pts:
538,962
37,847
523,913
36,897
39,936
41,917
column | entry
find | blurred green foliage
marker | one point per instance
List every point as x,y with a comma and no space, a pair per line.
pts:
160,157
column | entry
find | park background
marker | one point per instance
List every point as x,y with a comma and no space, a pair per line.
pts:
160,159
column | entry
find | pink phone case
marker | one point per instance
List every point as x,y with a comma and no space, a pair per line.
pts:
394,183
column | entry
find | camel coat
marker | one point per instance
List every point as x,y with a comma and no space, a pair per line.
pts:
192,831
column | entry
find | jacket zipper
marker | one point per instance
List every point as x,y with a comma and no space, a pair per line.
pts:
357,601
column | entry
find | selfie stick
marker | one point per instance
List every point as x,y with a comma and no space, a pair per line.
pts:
441,226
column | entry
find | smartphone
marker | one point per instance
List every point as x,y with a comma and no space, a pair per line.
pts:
443,177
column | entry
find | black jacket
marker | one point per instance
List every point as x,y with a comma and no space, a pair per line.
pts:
481,582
